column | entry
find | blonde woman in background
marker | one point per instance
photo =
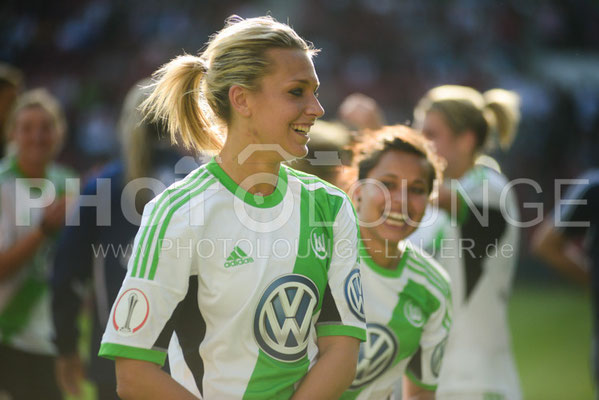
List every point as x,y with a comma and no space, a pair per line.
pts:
270,253
98,246
474,237
32,210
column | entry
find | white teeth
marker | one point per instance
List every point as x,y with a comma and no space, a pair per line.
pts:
396,219
301,128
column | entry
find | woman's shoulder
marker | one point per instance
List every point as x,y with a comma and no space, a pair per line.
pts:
314,183
5,168
324,194
425,264
185,190
60,171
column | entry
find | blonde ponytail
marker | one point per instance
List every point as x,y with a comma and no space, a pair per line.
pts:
176,101
494,112
504,106
191,94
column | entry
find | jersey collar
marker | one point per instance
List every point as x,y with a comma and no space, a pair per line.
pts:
269,201
390,273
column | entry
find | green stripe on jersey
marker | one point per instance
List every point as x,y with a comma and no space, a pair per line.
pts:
432,273
341,330
319,208
311,179
189,181
408,327
415,380
113,350
266,381
352,394
272,379
158,214
166,222
18,311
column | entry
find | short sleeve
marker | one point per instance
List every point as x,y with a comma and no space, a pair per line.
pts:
140,324
425,365
343,305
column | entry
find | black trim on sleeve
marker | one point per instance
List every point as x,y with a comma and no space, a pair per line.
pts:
189,325
329,311
415,364
476,240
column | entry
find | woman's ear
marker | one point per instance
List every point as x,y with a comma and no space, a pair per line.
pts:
356,196
238,97
467,141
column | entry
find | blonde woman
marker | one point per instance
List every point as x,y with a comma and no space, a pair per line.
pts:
252,265
475,237
32,211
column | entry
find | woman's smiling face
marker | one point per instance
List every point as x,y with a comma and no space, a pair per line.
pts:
285,106
392,200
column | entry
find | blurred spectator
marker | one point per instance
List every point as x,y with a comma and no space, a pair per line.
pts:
328,156
33,200
361,112
558,242
99,243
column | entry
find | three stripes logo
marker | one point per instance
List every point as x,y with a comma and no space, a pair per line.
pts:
238,257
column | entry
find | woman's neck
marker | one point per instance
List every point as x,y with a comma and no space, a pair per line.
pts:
29,169
256,172
383,253
458,171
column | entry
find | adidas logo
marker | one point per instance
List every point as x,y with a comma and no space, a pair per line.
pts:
238,257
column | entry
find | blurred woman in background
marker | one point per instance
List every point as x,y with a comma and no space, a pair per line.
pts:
33,201
475,237
98,246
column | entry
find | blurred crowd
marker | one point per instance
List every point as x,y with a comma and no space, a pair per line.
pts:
88,53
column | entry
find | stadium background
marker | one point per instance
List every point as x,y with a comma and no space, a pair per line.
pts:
89,53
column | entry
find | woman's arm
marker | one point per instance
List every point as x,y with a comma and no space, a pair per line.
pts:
556,249
333,372
145,380
411,391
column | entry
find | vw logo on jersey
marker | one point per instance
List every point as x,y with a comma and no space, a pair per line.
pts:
413,313
354,295
318,243
284,316
376,355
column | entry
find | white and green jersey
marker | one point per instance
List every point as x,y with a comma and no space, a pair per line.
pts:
479,252
247,283
408,315
25,313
